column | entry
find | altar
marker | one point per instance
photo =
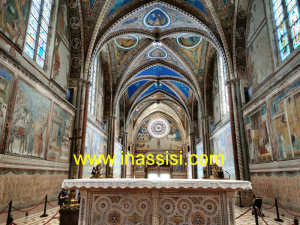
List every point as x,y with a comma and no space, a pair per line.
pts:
156,202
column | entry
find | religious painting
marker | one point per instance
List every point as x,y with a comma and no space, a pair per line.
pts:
95,144
6,80
157,18
117,167
159,133
293,115
13,16
188,41
157,53
127,41
221,143
293,11
29,125
61,131
61,62
192,55
62,21
285,117
258,136
259,57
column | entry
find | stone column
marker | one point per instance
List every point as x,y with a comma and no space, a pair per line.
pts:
125,151
110,141
77,146
193,151
205,138
155,215
238,135
238,138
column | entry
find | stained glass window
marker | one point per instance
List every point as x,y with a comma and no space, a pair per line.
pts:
93,87
282,36
37,31
294,23
286,16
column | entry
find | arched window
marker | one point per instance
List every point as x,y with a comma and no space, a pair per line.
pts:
287,25
37,30
93,87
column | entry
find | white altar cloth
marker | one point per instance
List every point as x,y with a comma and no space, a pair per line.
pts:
156,202
157,184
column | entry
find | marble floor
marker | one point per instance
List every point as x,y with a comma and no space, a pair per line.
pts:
247,219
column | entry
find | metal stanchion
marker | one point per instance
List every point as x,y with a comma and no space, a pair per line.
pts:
240,198
296,222
45,207
9,218
255,214
277,212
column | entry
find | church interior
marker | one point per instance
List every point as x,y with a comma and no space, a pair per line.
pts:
197,80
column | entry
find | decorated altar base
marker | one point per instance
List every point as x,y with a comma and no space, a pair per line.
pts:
156,202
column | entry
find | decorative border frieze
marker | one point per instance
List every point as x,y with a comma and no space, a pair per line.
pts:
21,162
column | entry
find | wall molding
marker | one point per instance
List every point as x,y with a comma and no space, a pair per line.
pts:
21,162
278,166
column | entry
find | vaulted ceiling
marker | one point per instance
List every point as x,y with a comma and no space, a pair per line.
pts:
154,51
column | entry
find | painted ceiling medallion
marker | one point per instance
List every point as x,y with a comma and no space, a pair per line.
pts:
158,128
127,41
157,18
157,53
188,41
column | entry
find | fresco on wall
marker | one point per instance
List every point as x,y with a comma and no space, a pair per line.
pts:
259,144
117,168
259,57
95,144
293,114
61,131
257,15
191,55
5,88
285,115
62,21
199,149
221,143
171,141
13,16
117,5
61,63
29,126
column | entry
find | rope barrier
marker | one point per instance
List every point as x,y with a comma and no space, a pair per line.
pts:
51,218
27,210
268,208
259,214
289,212
243,214
51,204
